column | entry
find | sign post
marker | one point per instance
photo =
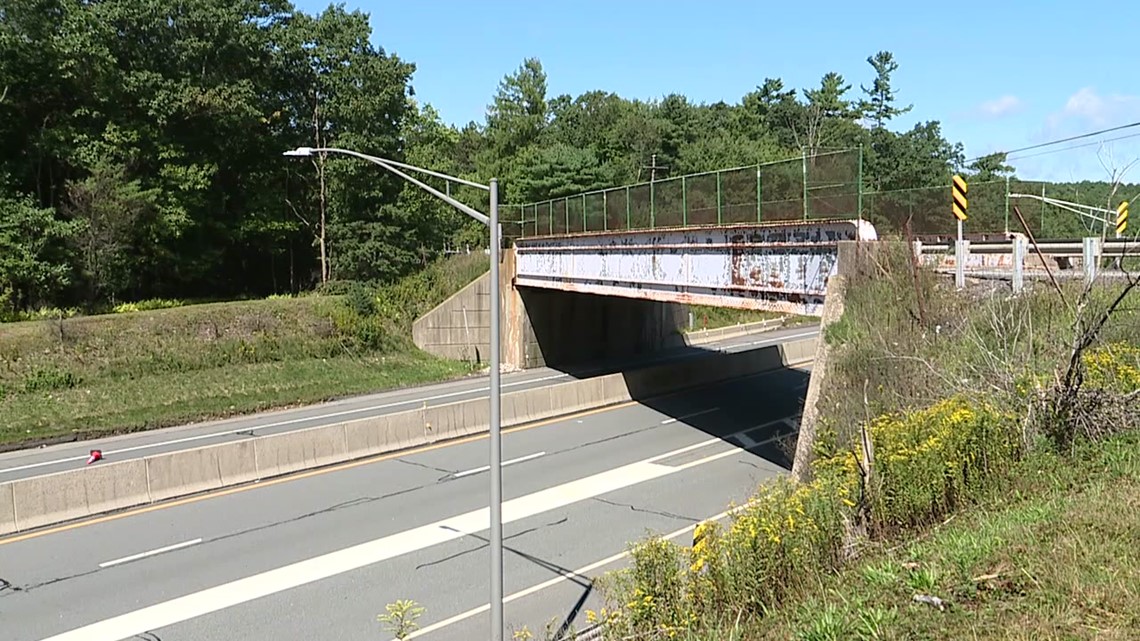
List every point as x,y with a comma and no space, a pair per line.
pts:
959,206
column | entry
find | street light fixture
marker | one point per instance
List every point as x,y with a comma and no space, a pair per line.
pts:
496,469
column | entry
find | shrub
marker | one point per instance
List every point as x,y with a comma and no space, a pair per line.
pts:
147,305
928,461
925,463
1114,367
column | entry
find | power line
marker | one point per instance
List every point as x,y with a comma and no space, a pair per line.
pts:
1061,140
1087,144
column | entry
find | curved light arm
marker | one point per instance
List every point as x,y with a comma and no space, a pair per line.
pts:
389,165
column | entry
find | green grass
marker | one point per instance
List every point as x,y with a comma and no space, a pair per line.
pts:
706,317
110,406
1052,554
113,373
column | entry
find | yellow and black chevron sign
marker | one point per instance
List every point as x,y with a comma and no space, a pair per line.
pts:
959,190
1122,217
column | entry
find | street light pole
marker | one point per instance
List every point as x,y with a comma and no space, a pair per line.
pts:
496,467
496,448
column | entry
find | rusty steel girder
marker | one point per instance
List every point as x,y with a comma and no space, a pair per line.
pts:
781,267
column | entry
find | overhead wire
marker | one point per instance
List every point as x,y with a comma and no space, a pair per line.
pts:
1062,140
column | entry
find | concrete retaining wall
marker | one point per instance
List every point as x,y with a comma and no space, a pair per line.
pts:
459,328
64,496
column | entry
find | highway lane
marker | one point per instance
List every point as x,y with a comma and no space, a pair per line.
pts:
60,457
582,488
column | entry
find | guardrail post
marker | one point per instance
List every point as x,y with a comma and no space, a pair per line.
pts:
961,251
1019,246
1091,255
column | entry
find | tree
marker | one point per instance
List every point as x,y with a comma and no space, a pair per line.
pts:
33,265
107,207
828,116
518,113
880,103
991,167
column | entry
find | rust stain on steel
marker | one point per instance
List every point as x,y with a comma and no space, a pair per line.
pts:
736,259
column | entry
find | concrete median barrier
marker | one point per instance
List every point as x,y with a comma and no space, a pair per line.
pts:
7,510
75,494
45,500
382,434
288,452
200,469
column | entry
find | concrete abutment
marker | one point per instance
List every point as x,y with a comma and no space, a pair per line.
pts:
548,328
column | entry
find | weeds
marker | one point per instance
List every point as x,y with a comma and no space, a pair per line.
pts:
957,391
400,617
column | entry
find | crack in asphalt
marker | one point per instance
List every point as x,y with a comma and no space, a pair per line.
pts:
7,589
427,467
484,543
147,636
671,515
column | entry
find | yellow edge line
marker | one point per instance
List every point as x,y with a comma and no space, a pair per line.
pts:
304,475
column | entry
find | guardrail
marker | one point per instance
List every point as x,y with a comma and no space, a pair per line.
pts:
1007,259
1070,248
36,502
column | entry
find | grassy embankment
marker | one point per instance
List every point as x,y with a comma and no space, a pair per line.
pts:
966,484
137,370
705,317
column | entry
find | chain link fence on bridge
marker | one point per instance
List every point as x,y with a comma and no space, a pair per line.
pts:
809,187
824,186
993,208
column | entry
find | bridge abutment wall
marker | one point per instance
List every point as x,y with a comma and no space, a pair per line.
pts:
548,328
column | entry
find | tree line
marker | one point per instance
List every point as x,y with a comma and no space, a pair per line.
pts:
142,148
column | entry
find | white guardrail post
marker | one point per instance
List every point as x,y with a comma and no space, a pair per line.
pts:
1019,247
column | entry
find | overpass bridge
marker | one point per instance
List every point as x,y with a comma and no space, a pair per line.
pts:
575,299
611,274
779,267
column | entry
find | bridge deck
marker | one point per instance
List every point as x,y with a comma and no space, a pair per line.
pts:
781,267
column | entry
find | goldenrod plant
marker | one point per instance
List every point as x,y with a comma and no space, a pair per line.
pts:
400,617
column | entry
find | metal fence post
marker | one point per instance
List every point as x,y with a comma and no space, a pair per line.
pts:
859,187
628,213
759,192
719,215
803,156
1007,204
684,203
652,206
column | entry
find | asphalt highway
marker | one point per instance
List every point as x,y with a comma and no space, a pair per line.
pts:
56,458
317,555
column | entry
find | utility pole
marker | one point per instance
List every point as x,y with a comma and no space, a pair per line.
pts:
653,167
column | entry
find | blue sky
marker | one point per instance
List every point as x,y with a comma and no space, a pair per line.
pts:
998,75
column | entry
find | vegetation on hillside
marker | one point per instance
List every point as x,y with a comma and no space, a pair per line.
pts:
143,148
936,402
90,375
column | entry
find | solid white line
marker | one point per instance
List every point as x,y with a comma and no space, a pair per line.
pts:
199,437
688,416
562,576
503,464
347,559
745,440
143,555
